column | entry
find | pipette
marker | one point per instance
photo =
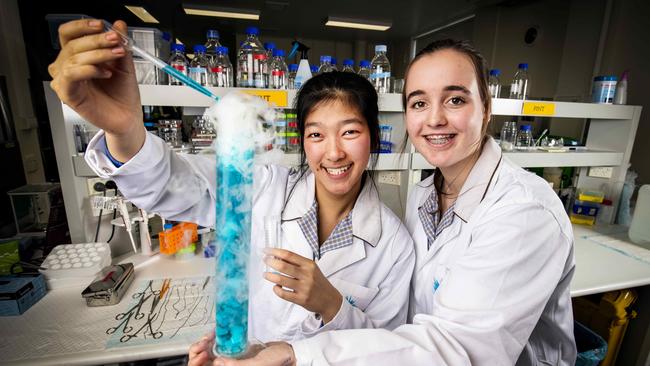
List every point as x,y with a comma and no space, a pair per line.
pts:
130,45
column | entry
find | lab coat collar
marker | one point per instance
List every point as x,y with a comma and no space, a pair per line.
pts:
477,183
366,214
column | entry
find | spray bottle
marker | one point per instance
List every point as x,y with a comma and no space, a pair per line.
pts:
304,72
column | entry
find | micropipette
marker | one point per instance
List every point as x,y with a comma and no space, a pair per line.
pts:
130,45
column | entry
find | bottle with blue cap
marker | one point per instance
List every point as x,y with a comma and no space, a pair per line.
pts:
178,61
334,64
348,65
221,69
494,85
279,71
520,86
325,64
211,45
364,69
380,70
269,47
199,66
525,136
251,60
291,77
314,70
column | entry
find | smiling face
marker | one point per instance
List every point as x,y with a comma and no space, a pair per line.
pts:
337,147
444,110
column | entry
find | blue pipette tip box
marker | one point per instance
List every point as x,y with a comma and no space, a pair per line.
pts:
19,293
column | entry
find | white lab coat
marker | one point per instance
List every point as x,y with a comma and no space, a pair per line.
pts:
373,273
503,269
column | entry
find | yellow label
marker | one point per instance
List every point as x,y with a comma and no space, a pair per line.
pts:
539,108
277,98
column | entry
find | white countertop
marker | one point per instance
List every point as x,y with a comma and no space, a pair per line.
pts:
61,329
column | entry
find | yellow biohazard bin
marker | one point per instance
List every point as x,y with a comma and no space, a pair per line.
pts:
608,315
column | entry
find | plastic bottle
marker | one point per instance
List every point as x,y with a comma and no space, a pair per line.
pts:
178,61
269,47
364,69
621,90
199,66
348,65
494,84
334,64
279,71
525,136
247,73
291,79
520,87
380,70
325,64
260,71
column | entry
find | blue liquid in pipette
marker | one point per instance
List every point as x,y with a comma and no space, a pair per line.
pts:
188,81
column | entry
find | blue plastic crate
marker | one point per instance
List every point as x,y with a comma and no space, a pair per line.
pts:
592,348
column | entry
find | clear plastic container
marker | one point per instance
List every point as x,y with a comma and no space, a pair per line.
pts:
494,84
279,71
280,122
525,136
178,61
325,64
348,65
508,135
199,66
520,87
364,69
385,132
380,70
291,79
251,54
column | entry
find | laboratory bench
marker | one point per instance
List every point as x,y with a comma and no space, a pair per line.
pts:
61,329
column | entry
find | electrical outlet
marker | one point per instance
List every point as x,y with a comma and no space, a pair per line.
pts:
601,172
389,177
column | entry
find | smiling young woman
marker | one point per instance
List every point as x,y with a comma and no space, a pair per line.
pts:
494,247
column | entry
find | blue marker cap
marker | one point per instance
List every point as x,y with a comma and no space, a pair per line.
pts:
523,66
293,67
199,48
277,53
495,72
269,46
178,47
252,31
348,62
212,33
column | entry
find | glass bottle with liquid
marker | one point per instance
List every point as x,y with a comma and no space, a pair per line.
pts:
364,69
291,79
380,70
348,65
178,61
251,52
199,66
279,71
520,86
494,84
325,64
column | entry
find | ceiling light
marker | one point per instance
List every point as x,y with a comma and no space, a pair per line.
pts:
142,13
357,23
219,12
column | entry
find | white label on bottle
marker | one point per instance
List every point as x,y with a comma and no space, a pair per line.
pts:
249,70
